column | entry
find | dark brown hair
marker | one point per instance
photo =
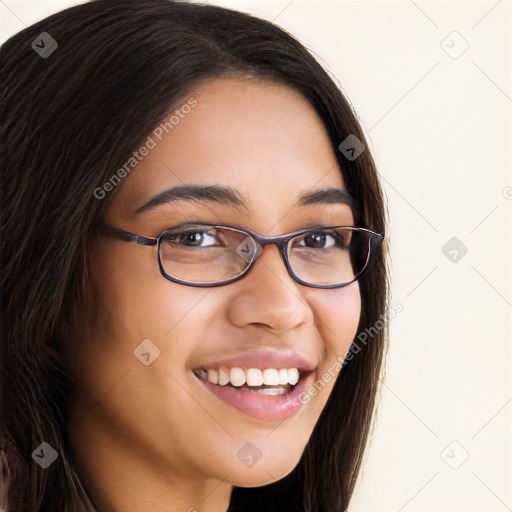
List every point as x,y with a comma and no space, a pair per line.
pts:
67,122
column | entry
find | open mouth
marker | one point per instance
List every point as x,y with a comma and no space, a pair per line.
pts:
268,381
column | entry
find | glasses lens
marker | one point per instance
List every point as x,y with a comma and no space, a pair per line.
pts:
205,254
210,254
332,256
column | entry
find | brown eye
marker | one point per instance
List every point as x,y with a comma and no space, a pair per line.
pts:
194,237
322,240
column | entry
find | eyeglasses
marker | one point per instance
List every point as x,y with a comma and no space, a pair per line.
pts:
203,254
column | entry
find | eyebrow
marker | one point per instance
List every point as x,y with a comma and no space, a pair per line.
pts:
230,196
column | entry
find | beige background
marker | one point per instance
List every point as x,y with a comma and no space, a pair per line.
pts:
438,120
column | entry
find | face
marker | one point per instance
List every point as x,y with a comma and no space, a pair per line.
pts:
148,402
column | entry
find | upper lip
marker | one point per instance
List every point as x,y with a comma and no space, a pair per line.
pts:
266,359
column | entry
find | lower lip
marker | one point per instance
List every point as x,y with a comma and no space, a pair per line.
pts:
259,406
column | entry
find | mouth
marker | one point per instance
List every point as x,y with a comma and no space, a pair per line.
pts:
268,394
268,381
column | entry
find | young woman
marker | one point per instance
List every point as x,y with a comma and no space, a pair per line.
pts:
191,244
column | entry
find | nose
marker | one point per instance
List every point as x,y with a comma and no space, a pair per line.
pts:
268,296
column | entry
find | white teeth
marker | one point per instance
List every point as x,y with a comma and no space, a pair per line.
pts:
283,376
213,376
223,376
293,376
271,377
254,377
237,377
269,391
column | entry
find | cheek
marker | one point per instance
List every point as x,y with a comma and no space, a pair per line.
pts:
337,315
133,300
135,303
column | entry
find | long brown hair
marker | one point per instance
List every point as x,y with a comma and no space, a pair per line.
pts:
68,121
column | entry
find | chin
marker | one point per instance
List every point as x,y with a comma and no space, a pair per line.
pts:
259,478
265,471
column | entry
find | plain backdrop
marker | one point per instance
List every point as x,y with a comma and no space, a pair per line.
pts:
431,83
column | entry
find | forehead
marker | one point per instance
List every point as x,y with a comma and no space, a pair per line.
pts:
260,138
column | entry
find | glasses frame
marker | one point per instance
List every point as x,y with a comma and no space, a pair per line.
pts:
282,241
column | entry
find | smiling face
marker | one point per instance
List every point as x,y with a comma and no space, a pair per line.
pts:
152,419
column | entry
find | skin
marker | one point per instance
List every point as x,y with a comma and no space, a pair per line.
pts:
153,438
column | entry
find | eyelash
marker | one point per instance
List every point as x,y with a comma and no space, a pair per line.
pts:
205,230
